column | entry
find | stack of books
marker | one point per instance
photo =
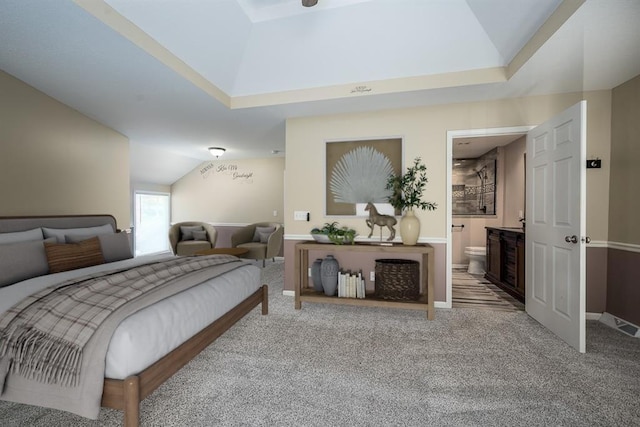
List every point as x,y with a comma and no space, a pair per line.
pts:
351,285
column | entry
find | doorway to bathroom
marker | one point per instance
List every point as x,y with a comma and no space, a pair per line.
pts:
486,189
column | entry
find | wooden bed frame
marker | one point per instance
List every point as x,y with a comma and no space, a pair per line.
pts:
127,394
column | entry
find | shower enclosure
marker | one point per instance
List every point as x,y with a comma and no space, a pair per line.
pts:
474,186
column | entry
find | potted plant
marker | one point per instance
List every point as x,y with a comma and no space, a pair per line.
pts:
407,190
332,232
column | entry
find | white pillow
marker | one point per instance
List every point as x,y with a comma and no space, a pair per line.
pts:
60,233
21,236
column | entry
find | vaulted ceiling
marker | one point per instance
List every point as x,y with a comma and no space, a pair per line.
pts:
178,76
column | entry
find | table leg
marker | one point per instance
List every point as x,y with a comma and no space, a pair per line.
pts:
297,278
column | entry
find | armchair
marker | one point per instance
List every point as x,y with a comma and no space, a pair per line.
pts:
262,239
186,238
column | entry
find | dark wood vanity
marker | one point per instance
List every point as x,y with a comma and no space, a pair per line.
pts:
505,259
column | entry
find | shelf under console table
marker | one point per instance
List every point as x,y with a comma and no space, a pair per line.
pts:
304,293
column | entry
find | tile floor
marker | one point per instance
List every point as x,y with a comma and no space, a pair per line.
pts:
474,291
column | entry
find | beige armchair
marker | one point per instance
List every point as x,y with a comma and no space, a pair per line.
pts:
186,238
262,239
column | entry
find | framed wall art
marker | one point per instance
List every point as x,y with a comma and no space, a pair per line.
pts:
357,172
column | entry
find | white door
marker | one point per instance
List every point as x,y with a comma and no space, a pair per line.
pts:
555,226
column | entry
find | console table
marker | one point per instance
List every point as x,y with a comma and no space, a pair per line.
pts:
307,294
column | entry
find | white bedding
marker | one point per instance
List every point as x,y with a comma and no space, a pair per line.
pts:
149,334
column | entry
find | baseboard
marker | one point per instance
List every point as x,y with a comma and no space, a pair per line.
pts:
593,316
620,325
289,293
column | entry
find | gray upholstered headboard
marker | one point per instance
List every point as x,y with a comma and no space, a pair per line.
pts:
12,224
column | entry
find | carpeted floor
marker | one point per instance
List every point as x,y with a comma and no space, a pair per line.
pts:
330,365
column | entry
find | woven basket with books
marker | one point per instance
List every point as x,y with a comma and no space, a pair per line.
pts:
397,279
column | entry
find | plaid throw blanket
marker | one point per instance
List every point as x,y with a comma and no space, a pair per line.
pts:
44,335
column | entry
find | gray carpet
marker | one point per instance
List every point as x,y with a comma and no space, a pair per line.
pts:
356,366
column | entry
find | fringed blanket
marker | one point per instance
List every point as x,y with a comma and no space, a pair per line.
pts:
46,338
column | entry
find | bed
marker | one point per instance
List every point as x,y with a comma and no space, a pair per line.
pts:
142,342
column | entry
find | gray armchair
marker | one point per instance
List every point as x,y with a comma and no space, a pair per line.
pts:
189,239
262,239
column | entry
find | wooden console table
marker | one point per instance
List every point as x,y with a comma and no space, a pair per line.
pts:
307,294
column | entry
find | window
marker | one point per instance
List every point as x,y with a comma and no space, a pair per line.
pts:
151,223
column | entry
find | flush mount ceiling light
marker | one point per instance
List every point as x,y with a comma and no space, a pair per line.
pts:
309,3
216,151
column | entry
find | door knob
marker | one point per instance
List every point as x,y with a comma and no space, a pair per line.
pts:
571,239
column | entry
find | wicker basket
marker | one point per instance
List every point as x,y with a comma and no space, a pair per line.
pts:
397,279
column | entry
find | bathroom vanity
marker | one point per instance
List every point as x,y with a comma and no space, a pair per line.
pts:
505,259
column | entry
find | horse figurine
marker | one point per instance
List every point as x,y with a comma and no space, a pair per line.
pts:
382,220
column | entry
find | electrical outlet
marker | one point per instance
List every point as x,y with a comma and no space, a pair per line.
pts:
372,276
309,272
275,213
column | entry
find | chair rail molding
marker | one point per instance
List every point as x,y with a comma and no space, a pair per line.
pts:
629,247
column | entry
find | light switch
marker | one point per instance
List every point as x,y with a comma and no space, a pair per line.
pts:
301,215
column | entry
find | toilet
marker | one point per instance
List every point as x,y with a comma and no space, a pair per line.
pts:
477,256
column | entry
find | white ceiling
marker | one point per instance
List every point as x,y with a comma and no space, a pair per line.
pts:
178,76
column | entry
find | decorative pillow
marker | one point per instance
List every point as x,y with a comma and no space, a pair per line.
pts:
186,231
59,233
70,256
115,247
200,235
23,260
264,237
21,236
266,230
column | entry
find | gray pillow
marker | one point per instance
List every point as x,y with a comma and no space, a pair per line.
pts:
264,237
264,230
115,247
23,260
199,235
186,231
60,233
21,236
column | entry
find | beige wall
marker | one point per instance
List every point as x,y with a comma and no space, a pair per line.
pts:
625,156
514,182
56,161
231,192
425,131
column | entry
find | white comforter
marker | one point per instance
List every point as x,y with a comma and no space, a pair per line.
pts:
149,334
